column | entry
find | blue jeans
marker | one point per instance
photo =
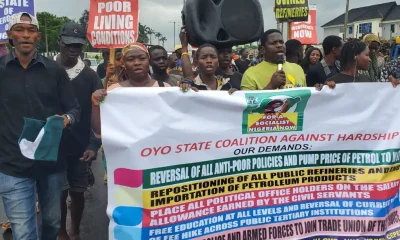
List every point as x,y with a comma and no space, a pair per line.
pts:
19,197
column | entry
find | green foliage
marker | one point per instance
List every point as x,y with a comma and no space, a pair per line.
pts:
50,26
143,38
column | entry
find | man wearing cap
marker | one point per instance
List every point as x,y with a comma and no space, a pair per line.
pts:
34,87
78,145
178,52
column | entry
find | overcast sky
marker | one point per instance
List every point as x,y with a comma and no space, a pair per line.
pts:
158,13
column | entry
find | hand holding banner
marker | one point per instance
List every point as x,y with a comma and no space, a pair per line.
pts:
113,24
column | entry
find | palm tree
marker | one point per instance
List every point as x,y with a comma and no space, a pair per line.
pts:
150,32
163,39
158,36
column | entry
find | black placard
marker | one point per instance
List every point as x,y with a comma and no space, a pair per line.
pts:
291,10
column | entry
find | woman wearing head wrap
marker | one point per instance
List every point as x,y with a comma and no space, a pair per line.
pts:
136,64
374,69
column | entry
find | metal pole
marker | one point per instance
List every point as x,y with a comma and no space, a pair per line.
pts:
346,20
47,42
174,34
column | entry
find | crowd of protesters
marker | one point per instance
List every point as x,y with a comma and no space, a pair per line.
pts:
33,86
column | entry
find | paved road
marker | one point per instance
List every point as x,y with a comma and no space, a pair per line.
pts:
95,221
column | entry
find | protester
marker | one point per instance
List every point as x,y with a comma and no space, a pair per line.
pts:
225,68
374,69
158,62
313,56
391,71
78,145
329,65
178,52
266,76
33,87
114,71
354,57
243,63
172,63
207,56
101,69
294,51
253,61
136,60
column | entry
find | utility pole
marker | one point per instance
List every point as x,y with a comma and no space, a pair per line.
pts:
47,43
174,31
346,20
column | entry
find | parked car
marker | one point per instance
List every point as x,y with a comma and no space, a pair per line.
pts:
94,64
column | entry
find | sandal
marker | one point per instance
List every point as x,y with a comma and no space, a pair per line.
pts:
6,225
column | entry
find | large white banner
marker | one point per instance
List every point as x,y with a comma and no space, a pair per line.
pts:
288,164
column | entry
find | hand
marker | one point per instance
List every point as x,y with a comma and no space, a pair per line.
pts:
232,90
88,156
98,96
395,82
110,70
66,120
186,86
319,86
331,84
183,37
277,80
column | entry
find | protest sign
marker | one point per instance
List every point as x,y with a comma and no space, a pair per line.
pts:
113,24
8,8
288,164
289,11
306,32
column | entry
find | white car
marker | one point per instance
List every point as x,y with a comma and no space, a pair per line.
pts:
93,63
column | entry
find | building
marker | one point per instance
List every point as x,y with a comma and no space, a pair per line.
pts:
381,19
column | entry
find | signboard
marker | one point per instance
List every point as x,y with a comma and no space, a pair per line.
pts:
306,32
318,165
291,10
8,8
113,23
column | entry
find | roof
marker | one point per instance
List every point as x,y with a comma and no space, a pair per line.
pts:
393,15
365,13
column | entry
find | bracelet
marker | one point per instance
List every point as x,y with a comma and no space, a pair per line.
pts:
185,53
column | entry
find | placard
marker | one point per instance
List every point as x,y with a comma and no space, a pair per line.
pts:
113,23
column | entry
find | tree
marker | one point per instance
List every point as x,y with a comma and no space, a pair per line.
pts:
50,26
163,39
150,32
84,21
158,36
143,38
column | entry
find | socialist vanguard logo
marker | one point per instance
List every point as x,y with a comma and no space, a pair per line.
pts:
275,111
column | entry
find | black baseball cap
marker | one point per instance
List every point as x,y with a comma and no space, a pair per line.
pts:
72,33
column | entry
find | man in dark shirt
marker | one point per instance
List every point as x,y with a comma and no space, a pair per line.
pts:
78,145
294,51
102,68
159,64
31,86
243,63
329,66
225,70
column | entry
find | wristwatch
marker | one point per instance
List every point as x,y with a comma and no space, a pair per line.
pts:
69,119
